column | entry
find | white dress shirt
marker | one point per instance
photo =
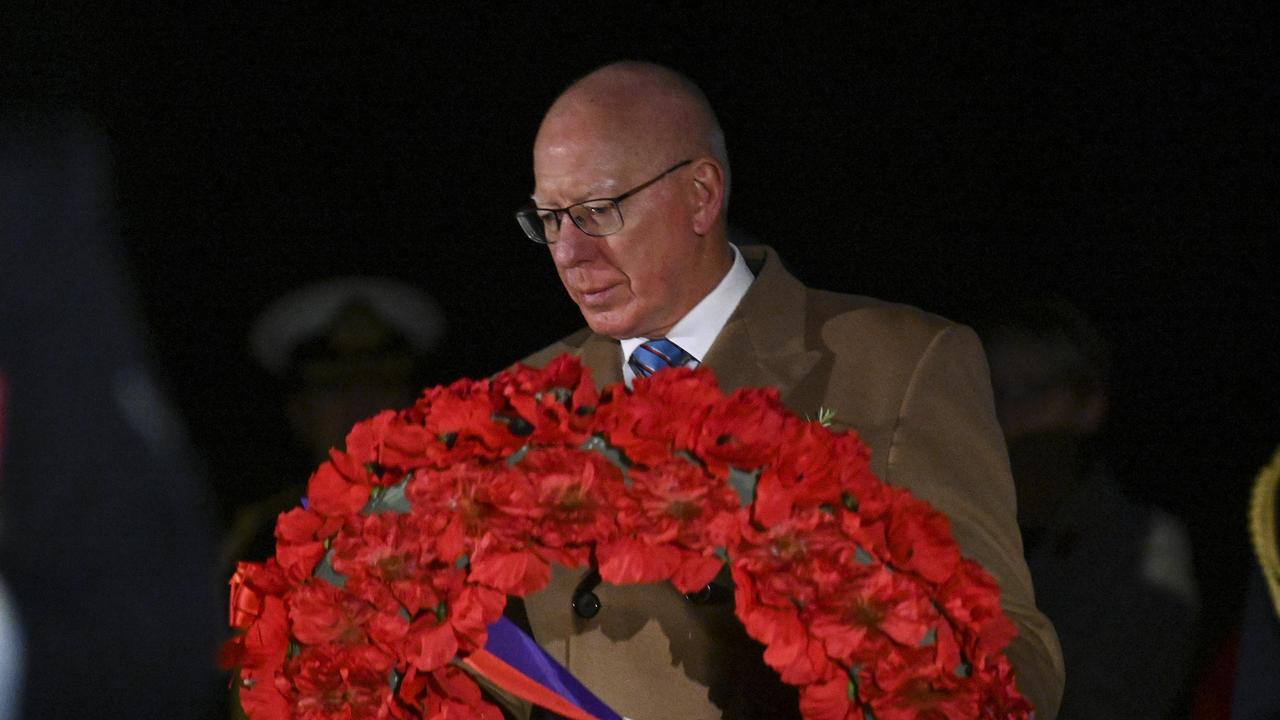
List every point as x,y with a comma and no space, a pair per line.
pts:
697,330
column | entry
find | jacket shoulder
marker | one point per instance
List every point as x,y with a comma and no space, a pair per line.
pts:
885,325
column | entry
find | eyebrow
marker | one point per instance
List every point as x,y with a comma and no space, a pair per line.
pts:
575,202
592,195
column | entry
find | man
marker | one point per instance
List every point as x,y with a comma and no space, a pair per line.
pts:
1128,625
651,261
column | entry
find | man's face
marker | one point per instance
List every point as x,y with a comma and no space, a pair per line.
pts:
639,281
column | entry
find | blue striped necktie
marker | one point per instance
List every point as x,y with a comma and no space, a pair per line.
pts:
654,355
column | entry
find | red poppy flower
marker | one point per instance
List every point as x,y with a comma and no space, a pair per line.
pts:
386,559
857,589
971,599
302,536
513,572
458,623
445,694
742,430
1001,701
462,418
576,491
366,440
868,616
899,689
339,487
920,540
812,468
830,699
266,641
476,500
322,613
670,521
335,681
260,652
556,402
661,415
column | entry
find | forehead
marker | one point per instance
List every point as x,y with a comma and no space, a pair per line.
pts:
587,148
573,170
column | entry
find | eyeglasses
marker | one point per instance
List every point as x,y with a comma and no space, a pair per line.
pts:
597,217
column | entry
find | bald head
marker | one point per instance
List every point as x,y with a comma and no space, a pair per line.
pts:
637,146
638,114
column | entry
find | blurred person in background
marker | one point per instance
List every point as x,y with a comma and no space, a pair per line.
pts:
106,543
1113,574
340,350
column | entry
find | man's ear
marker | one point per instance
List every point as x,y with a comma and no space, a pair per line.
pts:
708,194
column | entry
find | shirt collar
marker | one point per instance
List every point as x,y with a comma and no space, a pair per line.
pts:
697,330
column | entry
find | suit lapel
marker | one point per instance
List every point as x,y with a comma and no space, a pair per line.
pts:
604,356
763,344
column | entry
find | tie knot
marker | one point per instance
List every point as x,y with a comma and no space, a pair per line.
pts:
654,355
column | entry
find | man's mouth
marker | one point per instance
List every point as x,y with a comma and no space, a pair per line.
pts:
596,296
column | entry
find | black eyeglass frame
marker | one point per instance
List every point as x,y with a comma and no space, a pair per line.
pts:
531,213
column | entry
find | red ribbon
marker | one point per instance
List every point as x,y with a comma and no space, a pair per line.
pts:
246,603
522,686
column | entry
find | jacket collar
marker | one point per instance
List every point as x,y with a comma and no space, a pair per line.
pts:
763,344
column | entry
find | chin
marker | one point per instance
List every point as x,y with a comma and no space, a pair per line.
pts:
603,324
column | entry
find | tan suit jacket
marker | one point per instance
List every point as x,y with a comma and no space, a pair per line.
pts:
916,389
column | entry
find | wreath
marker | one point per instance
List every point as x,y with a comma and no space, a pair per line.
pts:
411,539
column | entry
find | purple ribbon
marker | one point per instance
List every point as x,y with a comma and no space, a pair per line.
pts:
513,646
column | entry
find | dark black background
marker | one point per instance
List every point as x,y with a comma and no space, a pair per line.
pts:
950,157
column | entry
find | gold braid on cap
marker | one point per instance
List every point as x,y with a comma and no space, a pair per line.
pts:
1262,526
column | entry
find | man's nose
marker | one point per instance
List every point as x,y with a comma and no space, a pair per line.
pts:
572,246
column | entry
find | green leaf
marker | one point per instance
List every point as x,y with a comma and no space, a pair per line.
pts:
596,443
325,571
853,683
850,502
930,638
744,483
518,455
389,499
